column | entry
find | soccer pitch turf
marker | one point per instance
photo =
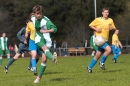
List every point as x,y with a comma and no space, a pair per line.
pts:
71,71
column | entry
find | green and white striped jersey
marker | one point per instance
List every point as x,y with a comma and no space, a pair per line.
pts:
3,43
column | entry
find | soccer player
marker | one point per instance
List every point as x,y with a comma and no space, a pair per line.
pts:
30,29
4,47
92,44
43,27
102,26
23,46
116,45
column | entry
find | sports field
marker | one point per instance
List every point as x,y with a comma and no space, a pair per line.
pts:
71,71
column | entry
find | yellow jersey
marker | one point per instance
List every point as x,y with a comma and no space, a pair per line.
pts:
115,40
103,25
30,28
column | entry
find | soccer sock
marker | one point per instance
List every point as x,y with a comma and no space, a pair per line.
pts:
10,62
93,62
30,63
33,64
48,54
0,60
114,57
42,69
117,55
103,58
8,58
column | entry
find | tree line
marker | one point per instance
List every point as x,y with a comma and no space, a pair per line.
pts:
71,17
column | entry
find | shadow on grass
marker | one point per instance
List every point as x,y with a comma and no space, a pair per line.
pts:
52,73
60,79
108,71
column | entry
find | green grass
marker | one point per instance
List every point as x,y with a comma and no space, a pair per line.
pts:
71,71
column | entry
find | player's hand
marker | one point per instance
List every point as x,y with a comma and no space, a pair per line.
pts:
98,29
43,31
25,42
121,47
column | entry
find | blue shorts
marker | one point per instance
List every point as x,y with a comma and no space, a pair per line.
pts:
115,49
102,48
33,46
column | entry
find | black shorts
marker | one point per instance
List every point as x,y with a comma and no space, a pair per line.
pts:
23,48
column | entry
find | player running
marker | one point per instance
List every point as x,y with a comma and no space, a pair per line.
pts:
102,26
116,46
23,46
43,27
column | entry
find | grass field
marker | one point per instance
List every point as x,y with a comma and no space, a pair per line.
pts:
71,71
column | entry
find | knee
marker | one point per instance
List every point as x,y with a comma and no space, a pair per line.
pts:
109,50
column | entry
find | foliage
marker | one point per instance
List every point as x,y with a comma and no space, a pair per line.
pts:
63,14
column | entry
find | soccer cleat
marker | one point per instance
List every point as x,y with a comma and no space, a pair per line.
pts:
89,70
114,60
5,69
35,73
102,65
55,58
31,69
37,80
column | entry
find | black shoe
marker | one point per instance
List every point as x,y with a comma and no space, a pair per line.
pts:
102,65
5,69
89,70
114,60
35,73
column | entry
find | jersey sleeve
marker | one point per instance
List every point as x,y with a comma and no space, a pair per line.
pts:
113,25
20,34
50,25
94,23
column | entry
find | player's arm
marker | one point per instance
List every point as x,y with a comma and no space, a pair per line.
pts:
50,28
20,33
93,25
112,25
120,45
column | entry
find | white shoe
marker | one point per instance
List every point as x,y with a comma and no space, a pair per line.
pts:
37,80
55,58
31,69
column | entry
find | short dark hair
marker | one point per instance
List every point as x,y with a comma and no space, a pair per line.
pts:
37,8
105,8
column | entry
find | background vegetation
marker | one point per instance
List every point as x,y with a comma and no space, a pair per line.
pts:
71,17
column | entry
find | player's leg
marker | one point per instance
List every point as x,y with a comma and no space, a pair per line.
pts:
33,48
8,55
11,61
48,54
107,51
1,54
42,68
94,61
114,50
118,53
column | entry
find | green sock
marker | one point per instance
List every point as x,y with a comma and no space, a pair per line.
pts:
0,60
10,62
42,69
48,54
